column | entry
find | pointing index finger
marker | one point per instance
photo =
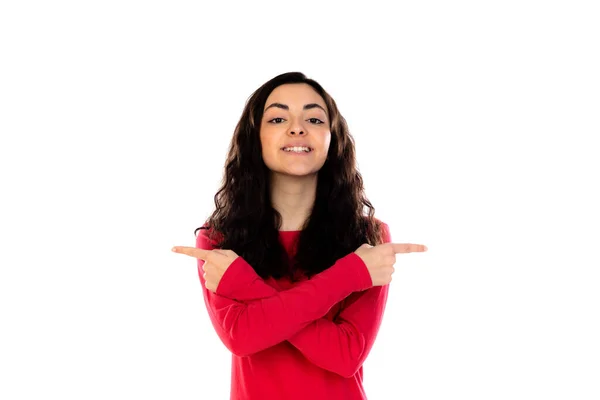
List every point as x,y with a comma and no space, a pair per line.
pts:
408,248
195,252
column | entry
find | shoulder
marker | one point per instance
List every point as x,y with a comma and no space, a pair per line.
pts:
386,235
384,230
207,238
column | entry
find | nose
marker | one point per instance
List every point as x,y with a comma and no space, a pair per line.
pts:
296,128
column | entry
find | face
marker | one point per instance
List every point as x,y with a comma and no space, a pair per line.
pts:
295,115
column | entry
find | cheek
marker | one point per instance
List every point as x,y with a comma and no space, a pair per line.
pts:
267,149
266,145
264,141
326,141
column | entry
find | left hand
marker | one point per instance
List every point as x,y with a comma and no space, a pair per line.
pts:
215,264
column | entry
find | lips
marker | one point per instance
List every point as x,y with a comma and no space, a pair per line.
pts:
298,145
297,152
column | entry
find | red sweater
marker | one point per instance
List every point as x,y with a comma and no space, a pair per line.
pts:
303,340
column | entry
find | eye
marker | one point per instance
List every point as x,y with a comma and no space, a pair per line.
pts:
275,119
316,119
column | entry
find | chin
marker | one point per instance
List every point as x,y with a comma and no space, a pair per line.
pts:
298,174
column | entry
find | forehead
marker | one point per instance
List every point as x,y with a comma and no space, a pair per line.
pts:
295,94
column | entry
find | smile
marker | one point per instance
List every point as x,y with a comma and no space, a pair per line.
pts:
297,149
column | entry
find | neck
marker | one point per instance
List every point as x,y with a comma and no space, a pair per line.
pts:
293,197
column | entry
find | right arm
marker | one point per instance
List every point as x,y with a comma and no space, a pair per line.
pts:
246,328
340,346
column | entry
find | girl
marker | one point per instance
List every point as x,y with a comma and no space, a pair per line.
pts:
295,275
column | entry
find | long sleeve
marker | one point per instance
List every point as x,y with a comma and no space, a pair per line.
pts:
342,345
339,346
249,327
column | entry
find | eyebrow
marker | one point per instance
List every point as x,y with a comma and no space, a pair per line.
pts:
306,106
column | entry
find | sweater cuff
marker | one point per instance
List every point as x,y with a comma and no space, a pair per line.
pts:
357,272
238,274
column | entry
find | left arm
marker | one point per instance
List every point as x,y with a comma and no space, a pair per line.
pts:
342,345
339,346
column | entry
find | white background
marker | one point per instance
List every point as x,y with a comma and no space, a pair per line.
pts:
476,128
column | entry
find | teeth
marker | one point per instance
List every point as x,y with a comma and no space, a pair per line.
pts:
297,149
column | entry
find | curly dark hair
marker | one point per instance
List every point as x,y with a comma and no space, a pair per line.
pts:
245,221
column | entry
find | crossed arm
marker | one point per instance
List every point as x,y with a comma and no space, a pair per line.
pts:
249,315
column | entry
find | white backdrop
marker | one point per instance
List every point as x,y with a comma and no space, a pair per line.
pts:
475,125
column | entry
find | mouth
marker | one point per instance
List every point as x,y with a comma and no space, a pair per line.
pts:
297,150
300,149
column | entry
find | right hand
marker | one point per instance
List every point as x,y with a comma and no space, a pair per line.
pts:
380,259
216,262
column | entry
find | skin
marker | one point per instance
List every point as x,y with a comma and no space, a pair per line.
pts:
294,180
379,260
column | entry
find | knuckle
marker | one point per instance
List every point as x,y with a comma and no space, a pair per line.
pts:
389,249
